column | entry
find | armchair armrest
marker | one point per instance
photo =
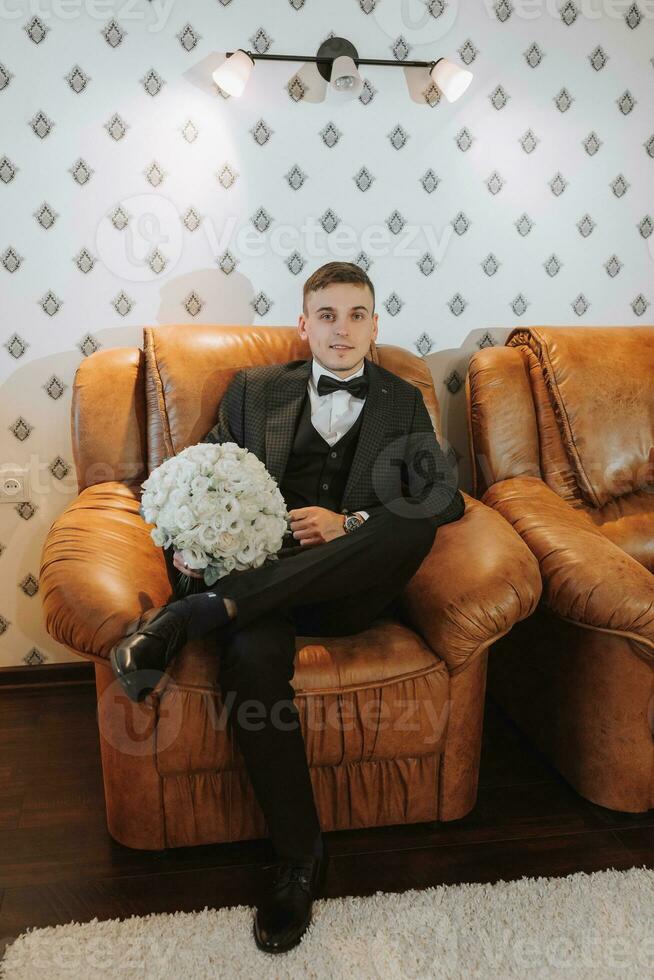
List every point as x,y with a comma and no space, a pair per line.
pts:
99,569
587,579
477,581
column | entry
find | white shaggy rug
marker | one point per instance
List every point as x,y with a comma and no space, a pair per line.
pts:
584,925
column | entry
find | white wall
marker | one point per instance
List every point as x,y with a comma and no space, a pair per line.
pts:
36,384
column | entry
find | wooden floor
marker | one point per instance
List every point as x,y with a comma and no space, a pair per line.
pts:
59,864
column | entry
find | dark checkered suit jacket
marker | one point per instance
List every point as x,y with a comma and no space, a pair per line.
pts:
398,462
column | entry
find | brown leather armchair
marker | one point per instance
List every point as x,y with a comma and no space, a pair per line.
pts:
561,437
392,716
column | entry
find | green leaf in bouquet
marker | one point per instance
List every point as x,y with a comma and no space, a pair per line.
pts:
211,575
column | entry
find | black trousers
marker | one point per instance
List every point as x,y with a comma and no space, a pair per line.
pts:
332,589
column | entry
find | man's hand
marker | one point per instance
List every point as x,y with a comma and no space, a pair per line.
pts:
315,525
178,562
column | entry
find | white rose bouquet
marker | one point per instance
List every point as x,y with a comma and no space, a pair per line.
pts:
217,505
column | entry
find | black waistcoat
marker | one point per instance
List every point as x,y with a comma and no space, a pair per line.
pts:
316,473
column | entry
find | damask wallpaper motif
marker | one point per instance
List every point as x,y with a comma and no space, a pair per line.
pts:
134,192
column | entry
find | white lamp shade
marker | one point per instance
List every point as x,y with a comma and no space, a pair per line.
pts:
233,74
345,78
450,79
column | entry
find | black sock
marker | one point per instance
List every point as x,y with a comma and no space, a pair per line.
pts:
205,611
310,852
319,849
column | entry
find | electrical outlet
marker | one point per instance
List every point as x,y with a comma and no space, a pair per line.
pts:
14,485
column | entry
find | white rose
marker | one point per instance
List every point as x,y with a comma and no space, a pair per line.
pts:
177,496
208,536
230,505
199,484
226,543
206,510
184,518
184,540
247,553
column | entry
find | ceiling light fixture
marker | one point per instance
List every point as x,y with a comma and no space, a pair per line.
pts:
337,61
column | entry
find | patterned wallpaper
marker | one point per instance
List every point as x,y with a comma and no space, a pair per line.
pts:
134,192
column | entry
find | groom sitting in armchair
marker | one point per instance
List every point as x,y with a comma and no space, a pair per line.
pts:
366,484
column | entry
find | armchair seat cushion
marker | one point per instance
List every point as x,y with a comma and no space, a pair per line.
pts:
628,521
378,694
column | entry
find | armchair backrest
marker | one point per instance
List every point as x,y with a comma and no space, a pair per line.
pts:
133,408
109,417
573,405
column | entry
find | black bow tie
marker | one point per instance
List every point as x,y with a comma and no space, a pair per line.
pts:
355,386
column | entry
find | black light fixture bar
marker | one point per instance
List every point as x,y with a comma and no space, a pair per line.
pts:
340,54
327,61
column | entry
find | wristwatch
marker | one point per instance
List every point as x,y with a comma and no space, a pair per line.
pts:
352,522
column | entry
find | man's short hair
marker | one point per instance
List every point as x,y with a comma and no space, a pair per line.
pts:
336,272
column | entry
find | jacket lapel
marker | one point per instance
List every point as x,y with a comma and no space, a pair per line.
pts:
376,419
284,397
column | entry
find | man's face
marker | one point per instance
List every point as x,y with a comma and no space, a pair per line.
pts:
339,325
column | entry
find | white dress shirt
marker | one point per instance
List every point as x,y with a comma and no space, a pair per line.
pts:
334,413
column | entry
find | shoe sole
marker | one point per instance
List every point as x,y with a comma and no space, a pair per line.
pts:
278,949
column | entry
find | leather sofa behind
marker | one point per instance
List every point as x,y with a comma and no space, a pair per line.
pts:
561,424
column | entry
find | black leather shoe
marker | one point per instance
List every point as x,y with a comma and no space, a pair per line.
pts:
283,917
148,646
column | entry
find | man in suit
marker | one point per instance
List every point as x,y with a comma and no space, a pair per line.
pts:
366,484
